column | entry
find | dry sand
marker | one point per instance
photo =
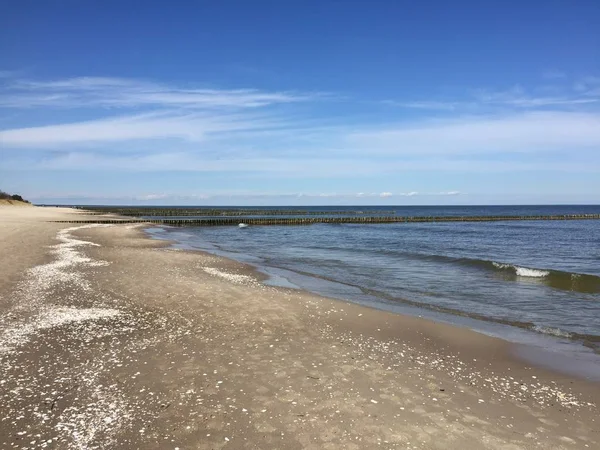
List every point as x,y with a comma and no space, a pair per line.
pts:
111,340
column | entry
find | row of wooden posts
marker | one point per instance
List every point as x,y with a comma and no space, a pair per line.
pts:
331,220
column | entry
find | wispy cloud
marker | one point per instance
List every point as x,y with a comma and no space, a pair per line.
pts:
165,128
585,91
428,105
523,133
147,111
529,132
589,86
192,127
227,197
152,197
519,98
285,169
402,194
88,92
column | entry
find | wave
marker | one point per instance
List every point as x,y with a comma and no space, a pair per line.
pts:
557,279
552,331
533,273
592,341
523,271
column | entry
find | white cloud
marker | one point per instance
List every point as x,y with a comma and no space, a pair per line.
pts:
517,98
431,105
274,167
240,136
190,127
86,92
385,194
525,132
589,86
148,111
149,197
533,132
177,198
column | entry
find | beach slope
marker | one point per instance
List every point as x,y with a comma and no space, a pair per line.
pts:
111,340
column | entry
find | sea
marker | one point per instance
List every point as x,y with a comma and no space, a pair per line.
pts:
532,282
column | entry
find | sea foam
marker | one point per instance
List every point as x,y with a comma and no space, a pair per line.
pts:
534,273
552,331
522,271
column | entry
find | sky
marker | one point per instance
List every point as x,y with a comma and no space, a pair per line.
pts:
300,102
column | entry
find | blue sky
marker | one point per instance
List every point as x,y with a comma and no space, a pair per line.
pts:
300,102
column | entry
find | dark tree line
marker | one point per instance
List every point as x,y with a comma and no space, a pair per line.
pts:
6,196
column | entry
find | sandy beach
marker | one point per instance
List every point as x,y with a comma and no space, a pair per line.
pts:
111,340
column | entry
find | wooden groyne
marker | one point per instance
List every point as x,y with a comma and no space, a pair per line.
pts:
229,221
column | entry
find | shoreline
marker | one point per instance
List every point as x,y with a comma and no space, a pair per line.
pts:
572,357
255,274
159,348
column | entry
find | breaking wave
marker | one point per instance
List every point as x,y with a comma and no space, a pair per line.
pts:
522,271
557,279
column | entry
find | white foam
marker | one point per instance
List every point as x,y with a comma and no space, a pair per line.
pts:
523,271
552,331
532,273
234,278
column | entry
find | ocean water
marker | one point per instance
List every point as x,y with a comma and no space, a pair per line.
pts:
538,277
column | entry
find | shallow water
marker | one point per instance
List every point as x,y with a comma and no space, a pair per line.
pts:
540,276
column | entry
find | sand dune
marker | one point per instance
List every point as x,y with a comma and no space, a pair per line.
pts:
13,203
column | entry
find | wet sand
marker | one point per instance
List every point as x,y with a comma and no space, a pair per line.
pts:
111,340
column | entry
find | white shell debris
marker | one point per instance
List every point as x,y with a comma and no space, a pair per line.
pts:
33,311
50,318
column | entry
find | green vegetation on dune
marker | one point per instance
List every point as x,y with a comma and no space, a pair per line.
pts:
16,197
